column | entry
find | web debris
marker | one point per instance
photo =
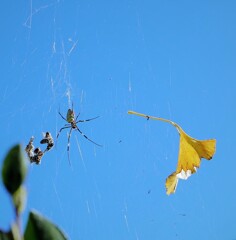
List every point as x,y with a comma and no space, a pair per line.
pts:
35,154
28,22
73,46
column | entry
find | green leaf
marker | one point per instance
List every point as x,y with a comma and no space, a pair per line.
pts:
15,232
14,169
19,199
39,228
6,235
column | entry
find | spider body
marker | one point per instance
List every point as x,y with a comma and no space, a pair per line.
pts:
70,116
71,124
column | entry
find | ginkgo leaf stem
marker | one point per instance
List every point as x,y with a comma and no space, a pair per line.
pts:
156,118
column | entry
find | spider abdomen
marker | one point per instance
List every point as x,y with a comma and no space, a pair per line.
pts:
70,117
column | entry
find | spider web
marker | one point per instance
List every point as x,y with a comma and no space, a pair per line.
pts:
66,53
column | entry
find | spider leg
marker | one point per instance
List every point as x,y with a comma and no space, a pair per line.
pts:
87,137
77,117
68,146
87,119
62,129
61,115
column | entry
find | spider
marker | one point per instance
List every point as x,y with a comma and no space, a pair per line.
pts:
72,122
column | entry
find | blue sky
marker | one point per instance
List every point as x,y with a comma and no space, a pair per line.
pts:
172,59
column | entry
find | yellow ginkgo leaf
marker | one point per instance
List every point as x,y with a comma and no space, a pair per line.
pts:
190,153
171,183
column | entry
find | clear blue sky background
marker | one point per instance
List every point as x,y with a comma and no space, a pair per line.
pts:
173,59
